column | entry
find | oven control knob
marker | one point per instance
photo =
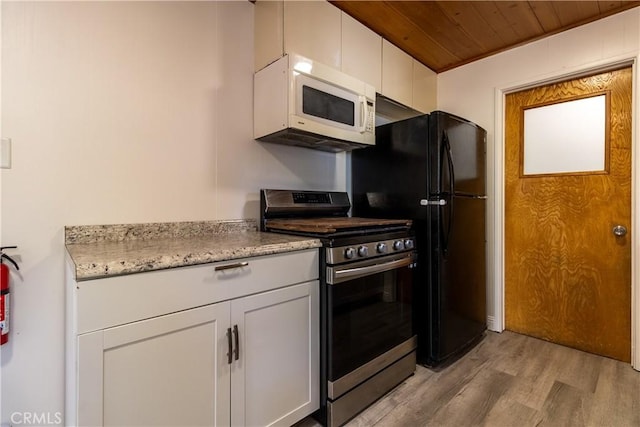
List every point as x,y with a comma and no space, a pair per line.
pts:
363,251
398,245
349,253
381,248
408,244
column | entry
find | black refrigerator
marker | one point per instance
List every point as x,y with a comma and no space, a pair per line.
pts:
431,169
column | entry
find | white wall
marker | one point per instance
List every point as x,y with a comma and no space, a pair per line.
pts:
473,91
122,112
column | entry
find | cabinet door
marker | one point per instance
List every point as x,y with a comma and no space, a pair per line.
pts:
424,88
312,29
397,74
275,381
168,370
268,35
361,52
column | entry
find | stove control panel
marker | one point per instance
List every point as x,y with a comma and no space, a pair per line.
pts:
340,254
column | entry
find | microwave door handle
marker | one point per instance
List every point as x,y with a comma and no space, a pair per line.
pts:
363,113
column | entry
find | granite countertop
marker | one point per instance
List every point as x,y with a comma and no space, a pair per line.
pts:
110,250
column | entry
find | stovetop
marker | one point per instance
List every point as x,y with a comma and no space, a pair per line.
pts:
324,215
336,226
319,214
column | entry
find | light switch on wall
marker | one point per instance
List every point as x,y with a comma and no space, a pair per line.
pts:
5,153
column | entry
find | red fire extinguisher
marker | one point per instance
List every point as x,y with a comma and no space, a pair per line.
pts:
4,293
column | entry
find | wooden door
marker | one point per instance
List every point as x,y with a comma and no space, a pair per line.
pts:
567,276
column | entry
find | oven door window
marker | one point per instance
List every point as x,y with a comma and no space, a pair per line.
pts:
369,316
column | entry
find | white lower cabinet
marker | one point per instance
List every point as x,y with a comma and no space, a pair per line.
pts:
247,361
275,381
170,370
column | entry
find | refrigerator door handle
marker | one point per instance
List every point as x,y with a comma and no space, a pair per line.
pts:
439,202
451,169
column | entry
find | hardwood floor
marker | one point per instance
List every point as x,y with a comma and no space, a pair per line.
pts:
512,380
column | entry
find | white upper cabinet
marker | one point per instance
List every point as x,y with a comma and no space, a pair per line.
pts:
397,74
424,88
406,80
361,52
268,32
308,28
312,29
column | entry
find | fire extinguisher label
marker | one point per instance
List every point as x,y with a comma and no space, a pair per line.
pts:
4,314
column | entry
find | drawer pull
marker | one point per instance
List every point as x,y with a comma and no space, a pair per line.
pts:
230,266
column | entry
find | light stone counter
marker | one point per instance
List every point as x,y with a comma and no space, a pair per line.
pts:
110,250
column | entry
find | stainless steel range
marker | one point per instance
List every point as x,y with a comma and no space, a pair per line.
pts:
367,340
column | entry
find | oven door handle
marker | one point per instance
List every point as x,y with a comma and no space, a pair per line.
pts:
337,275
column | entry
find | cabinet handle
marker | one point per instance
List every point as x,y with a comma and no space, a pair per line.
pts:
229,354
230,266
236,334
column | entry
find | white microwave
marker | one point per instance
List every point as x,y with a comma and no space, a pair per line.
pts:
298,101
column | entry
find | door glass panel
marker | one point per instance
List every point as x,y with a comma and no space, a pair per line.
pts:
566,137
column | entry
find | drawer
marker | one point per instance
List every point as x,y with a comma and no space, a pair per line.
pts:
107,302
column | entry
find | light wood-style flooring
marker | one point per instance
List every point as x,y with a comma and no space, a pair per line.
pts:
512,380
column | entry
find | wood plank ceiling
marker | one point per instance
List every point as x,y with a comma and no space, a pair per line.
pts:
446,34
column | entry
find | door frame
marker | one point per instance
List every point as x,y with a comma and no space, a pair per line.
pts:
497,185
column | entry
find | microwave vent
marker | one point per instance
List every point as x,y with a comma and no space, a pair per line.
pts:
299,138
